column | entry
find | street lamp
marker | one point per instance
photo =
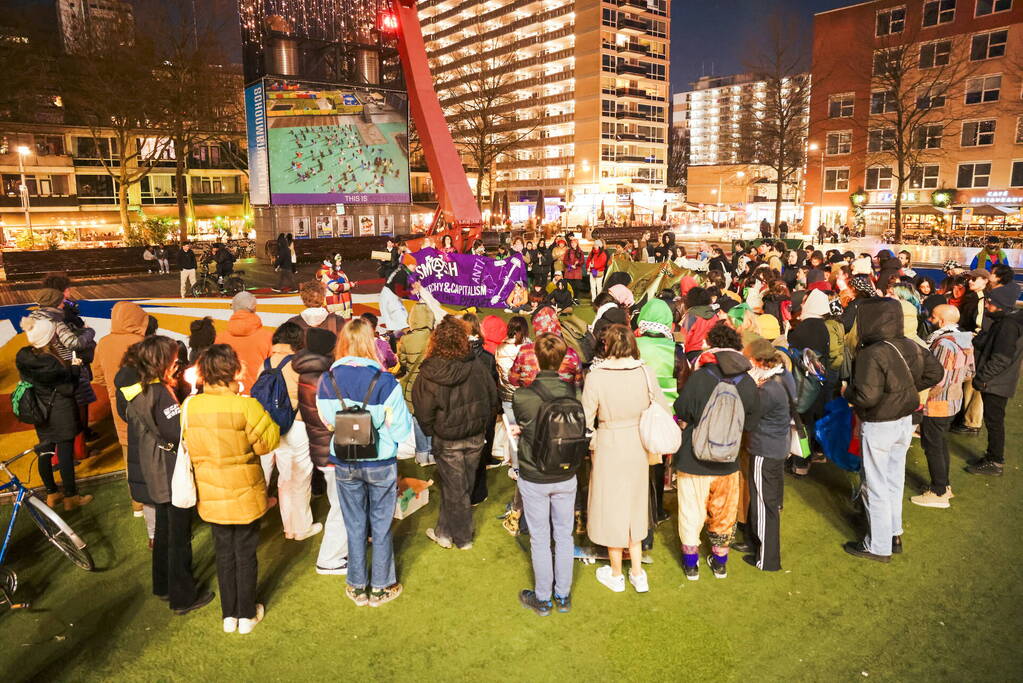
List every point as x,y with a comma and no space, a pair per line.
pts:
24,151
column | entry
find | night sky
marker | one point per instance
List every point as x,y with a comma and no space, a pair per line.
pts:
708,38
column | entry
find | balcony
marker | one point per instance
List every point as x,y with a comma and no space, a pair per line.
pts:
632,26
633,69
32,161
639,115
49,201
637,93
626,159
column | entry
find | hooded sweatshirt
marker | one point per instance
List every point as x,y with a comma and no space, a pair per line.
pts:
455,398
127,326
495,330
953,348
310,368
412,347
251,341
656,346
713,366
697,323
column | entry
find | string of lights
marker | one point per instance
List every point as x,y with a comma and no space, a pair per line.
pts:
326,20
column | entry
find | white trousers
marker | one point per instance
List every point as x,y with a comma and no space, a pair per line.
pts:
187,281
334,546
294,479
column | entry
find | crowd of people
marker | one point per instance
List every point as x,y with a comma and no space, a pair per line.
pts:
712,388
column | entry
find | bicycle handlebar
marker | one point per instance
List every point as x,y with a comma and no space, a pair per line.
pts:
19,456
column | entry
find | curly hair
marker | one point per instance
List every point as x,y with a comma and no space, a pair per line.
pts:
723,336
450,339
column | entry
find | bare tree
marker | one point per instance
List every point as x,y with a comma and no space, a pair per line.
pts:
678,157
481,107
916,89
112,87
779,117
201,96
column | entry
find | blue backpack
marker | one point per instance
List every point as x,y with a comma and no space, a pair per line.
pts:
271,390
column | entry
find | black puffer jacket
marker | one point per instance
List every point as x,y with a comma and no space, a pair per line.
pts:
53,381
999,351
882,389
310,368
454,399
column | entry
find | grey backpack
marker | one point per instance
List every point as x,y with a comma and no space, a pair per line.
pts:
718,434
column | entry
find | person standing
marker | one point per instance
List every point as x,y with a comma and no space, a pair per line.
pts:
55,381
411,354
284,263
310,363
998,355
596,266
574,260
315,314
247,336
709,492
154,423
294,467
225,434
548,500
889,371
187,264
367,489
769,445
455,397
954,350
615,395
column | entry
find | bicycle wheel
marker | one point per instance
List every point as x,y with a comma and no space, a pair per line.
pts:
233,285
205,288
59,533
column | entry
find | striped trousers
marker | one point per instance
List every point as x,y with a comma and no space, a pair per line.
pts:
766,491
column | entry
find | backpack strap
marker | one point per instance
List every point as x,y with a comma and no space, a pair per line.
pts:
372,385
540,391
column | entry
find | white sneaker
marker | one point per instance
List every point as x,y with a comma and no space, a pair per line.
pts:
245,626
313,530
340,570
137,513
640,582
230,625
615,583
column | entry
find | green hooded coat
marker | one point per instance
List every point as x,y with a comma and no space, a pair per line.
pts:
412,347
657,351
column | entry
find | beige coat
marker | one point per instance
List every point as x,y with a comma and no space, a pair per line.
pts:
615,395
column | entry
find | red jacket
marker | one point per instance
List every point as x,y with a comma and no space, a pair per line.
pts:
596,261
573,261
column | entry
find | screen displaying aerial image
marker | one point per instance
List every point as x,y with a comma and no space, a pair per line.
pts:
336,144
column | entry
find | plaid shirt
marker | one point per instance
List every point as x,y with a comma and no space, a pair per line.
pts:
525,368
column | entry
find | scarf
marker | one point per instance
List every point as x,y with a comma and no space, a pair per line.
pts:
761,375
862,283
659,329
601,311
948,329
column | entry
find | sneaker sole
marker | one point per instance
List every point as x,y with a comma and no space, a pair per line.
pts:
693,578
931,505
331,572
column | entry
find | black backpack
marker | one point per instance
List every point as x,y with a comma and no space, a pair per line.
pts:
559,439
28,407
355,436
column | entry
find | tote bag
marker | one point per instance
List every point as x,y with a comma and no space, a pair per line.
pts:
658,430
183,493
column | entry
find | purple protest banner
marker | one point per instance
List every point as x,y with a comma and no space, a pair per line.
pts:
467,280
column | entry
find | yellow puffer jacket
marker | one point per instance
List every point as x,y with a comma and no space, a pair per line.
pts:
225,434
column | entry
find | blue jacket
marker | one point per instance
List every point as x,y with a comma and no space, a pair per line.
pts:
386,404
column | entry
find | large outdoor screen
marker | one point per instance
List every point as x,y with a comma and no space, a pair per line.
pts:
332,144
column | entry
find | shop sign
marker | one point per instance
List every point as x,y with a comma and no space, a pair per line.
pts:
967,214
889,197
997,197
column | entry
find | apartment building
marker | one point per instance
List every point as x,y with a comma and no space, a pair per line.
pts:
719,119
589,83
965,60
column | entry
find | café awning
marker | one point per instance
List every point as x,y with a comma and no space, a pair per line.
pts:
926,210
990,210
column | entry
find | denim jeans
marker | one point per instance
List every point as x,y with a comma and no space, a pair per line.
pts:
550,512
884,477
367,496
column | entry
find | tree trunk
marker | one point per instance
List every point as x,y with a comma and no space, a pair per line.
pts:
898,209
180,190
122,203
779,189
479,189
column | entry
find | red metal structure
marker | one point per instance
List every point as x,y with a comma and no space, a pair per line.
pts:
458,214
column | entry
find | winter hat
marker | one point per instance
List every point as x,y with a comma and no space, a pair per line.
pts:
623,295
49,298
815,275
822,285
38,330
320,341
862,283
655,318
1005,296
769,327
862,266
687,283
243,301
495,331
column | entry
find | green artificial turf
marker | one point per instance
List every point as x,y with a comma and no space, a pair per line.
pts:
950,608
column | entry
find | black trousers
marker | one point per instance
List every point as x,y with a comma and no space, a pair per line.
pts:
766,492
994,420
65,451
456,469
285,278
479,488
235,545
933,438
172,556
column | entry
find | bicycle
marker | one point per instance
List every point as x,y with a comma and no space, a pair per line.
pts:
207,284
56,530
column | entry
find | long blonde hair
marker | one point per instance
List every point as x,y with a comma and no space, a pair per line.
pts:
356,339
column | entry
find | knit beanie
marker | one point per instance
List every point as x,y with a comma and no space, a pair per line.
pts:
862,266
38,330
49,298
